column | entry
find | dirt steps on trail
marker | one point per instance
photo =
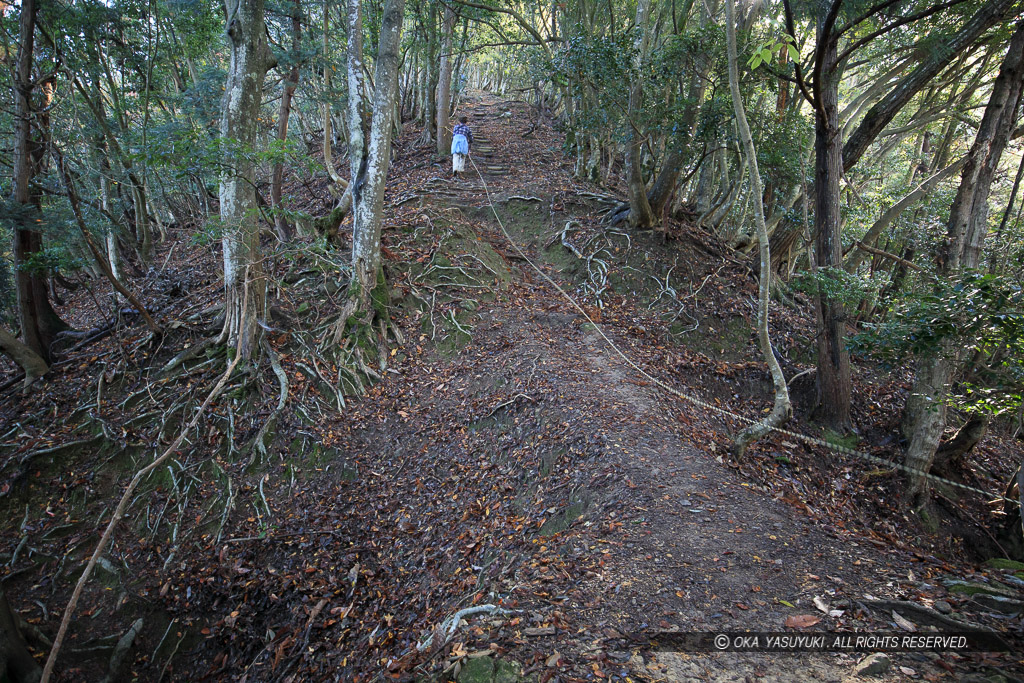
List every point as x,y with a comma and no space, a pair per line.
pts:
486,159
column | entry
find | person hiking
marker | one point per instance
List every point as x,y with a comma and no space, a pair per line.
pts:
462,138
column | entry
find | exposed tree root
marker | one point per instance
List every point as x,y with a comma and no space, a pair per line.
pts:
121,651
447,628
270,424
358,339
119,514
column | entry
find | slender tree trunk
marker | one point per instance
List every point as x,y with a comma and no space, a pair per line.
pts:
994,252
430,77
332,171
730,192
892,213
833,376
640,213
369,197
98,255
679,152
444,84
143,233
95,101
245,286
357,118
782,408
701,197
39,323
925,413
281,225
113,253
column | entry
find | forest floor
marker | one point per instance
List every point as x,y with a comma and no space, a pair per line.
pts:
508,458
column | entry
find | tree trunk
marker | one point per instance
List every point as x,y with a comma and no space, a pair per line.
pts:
640,213
332,171
444,85
702,198
963,442
29,361
95,101
39,323
245,286
368,194
730,192
98,255
112,252
357,118
679,152
430,77
16,662
892,213
782,408
281,225
833,376
924,418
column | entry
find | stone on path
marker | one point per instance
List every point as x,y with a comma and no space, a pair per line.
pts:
873,665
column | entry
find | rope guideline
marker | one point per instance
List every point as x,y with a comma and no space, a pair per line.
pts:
835,448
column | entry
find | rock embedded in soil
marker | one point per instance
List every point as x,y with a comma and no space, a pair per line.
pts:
873,665
480,670
487,670
998,603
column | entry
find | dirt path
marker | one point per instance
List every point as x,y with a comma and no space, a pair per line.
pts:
684,542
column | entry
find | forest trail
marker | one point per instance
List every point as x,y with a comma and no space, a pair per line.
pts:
509,457
652,530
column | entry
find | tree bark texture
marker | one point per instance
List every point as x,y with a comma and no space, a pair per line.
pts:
328,118
925,413
369,194
27,359
281,225
640,213
430,77
357,118
16,662
245,286
444,85
833,376
964,441
39,323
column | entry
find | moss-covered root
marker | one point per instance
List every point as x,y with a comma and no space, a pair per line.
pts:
361,334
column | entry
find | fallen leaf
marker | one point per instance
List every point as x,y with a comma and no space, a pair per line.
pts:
542,631
903,623
802,620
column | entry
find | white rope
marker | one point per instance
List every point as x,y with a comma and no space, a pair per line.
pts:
835,448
